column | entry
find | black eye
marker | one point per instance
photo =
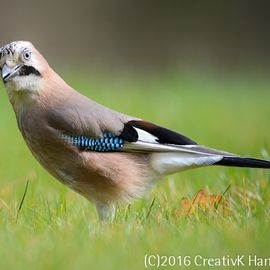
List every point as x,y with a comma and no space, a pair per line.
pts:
26,55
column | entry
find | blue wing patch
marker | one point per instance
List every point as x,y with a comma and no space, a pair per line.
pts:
107,143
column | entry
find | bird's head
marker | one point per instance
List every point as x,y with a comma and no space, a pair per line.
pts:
22,67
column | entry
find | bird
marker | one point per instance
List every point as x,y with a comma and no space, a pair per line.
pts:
104,155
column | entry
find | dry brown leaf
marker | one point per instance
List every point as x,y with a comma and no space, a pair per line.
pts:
201,200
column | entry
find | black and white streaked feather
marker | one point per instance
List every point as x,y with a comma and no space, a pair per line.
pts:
8,49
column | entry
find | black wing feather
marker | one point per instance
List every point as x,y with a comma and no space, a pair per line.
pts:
164,135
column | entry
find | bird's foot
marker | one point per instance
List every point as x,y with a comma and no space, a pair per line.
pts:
106,212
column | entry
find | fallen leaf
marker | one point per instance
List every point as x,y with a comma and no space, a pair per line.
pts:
202,201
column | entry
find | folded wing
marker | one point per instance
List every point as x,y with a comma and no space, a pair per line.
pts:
173,151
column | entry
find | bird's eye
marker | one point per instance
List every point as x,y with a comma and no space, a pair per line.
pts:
26,55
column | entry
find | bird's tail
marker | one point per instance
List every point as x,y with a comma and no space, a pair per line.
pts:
236,161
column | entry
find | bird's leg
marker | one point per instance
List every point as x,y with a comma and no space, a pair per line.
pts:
106,212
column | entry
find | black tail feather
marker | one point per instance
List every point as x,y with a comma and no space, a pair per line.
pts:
244,162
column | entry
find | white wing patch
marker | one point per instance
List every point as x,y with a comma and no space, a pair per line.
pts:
145,136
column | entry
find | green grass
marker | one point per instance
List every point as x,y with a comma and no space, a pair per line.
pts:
58,229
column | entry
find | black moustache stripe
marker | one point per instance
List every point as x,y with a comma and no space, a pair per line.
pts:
28,70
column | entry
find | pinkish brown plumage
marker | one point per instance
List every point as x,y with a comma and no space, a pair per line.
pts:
48,111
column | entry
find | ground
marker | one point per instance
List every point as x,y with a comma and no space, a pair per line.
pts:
58,229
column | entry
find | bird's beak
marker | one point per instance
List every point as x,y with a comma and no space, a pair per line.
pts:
9,73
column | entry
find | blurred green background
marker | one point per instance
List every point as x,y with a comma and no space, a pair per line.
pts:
139,35
200,68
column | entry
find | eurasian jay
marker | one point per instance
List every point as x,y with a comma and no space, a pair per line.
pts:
104,155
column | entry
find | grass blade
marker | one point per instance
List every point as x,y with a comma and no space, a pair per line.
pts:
22,200
150,208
